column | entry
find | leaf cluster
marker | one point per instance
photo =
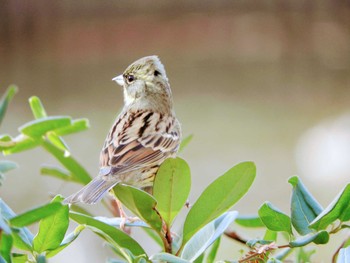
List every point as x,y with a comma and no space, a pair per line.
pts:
202,226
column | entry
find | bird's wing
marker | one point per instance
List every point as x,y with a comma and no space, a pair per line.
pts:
140,139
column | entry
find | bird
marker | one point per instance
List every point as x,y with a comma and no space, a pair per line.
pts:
144,134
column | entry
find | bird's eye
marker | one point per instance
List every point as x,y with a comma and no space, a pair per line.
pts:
157,73
130,78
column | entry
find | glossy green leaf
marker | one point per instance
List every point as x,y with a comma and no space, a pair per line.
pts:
39,127
218,197
206,236
21,143
321,237
274,219
249,221
52,229
213,251
76,126
37,108
185,142
6,166
304,207
175,176
140,203
166,257
338,209
78,173
110,233
66,241
5,100
344,255
34,215
6,242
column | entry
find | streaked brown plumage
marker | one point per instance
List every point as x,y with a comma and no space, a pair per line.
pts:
144,134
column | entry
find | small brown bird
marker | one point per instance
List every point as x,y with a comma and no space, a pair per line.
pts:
144,134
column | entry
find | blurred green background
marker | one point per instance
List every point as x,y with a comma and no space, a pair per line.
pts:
266,81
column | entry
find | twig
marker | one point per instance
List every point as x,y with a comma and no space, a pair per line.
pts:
235,236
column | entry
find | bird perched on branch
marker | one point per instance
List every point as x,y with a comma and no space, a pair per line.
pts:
145,133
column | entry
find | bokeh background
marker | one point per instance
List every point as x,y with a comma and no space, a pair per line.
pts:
267,81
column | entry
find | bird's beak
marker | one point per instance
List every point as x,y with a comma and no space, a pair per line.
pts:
119,79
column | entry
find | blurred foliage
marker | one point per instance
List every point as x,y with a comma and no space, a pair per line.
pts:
206,221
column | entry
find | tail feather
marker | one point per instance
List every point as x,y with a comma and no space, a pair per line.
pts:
91,193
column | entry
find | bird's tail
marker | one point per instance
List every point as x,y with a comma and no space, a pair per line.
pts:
91,193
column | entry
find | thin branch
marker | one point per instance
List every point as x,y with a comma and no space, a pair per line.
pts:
236,237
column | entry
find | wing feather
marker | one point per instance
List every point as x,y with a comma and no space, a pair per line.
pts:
145,139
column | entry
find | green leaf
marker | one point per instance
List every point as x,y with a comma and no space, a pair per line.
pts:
76,126
206,236
21,143
37,108
270,235
200,259
175,176
4,227
52,229
213,251
6,166
185,142
22,237
140,203
19,258
321,237
304,207
249,221
304,255
34,215
41,126
6,142
58,142
218,197
274,219
344,255
338,209
6,246
66,241
78,173
57,172
166,257
5,100
120,239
